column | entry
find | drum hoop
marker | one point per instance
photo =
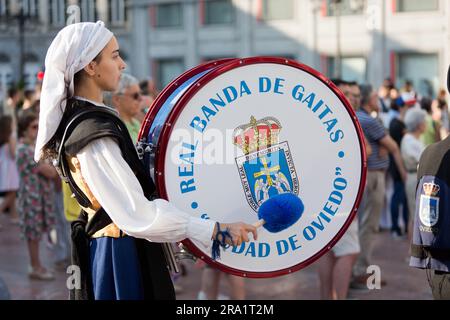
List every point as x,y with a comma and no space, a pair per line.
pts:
170,88
178,108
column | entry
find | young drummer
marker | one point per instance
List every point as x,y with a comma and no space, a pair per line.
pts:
116,239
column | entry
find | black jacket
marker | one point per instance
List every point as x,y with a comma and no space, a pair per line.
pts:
91,126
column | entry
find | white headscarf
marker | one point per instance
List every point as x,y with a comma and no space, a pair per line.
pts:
72,49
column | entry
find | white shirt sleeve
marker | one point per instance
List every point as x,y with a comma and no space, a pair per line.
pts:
116,188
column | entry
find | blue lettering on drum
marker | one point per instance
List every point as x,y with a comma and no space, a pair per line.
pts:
265,85
186,170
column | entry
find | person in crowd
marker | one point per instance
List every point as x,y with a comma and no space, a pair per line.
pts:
408,94
374,193
430,236
432,128
29,99
397,130
11,107
411,149
442,112
211,281
61,247
387,117
35,195
126,100
335,267
9,176
384,94
149,94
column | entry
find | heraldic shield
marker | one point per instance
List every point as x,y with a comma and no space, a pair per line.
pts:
429,205
266,168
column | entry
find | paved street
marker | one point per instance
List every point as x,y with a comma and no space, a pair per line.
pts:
403,282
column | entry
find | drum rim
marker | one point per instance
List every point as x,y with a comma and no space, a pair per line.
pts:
170,88
178,108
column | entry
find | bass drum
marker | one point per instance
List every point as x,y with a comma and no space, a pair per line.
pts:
229,134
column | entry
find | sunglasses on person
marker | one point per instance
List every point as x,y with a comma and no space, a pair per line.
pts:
134,96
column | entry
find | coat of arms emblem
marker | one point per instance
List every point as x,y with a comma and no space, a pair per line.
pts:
266,168
429,204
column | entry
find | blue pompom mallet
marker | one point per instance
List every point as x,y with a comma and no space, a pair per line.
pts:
280,212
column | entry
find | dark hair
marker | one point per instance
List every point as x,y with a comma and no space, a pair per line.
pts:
144,86
28,94
25,119
338,82
366,91
425,104
36,106
80,74
387,83
12,92
5,129
398,103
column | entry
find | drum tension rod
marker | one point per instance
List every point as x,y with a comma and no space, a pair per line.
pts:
142,147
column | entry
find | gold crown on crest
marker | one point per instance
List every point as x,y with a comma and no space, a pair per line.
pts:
257,135
431,189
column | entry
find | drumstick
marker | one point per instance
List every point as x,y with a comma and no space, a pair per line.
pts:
259,223
279,212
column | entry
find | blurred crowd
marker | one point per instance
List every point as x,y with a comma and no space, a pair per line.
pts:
397,124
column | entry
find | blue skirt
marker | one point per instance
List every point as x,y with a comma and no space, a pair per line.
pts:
115,269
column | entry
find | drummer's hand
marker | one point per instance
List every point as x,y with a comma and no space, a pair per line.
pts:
239,232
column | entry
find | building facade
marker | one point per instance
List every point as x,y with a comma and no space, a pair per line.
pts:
375,39
362,40
42,20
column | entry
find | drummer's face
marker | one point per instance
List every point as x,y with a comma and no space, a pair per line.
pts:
110,67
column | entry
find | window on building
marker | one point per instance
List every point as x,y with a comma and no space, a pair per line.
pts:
57,14
346,7
416,5
11,7
167,70
218,12
117,12
352,69
30,74
89,11
30,8
277,9
169,15
4,8
421,69
6,80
